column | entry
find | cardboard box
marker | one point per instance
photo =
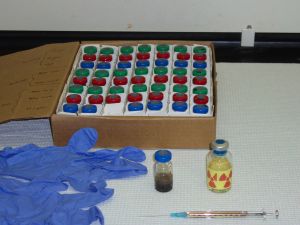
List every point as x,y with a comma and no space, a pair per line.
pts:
32,82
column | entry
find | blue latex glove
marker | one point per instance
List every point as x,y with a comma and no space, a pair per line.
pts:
31,178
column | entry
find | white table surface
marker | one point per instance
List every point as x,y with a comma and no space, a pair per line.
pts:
258,113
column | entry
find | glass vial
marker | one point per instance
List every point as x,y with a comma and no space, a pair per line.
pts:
219,167
163,171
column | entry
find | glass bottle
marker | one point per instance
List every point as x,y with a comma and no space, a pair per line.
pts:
219,167
163,171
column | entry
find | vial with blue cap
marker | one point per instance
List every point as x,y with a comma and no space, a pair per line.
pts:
163,171
219,167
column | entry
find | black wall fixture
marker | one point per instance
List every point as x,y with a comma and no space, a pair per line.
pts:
269,47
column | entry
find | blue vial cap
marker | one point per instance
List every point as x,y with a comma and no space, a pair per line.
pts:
70,108
142,63
179,106
199,64
219,147
181,63
200,109
135,106
87,65
161,62
124,65
89,109
163,156
155,105
103,65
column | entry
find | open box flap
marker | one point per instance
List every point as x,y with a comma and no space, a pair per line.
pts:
32,80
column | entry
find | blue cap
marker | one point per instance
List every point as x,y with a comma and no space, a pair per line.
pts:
142,63
155,105
200,64
103,65
124,65
163,156
87,65
181,63
161,62
70,108
179,106
135,106
219,147
89,109
200,109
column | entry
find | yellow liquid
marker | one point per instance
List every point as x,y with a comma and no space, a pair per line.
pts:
219,175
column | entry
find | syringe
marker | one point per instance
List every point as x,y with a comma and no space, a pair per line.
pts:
221,214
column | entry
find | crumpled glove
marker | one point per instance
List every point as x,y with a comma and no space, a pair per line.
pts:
31,178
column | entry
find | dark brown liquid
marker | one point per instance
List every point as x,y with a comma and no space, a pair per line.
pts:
164,182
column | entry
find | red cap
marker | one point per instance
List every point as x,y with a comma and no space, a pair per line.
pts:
181,97
138,80
120,81
143,56
73,98
156,96
87,57
163,55
105,58
95,99
135,97
199,80
201,99
99,81
110,99
123,57
179,79
199,57
160,78
80,80
183,56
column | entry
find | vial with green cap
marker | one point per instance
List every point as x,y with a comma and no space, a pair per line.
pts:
162,48
82,72
90,50
76,88
144,48
102,73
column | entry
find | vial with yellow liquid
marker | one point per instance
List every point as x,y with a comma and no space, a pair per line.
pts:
219,167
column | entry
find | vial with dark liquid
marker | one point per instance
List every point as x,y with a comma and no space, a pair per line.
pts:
163,174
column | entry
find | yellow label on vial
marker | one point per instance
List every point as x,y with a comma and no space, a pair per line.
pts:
219,180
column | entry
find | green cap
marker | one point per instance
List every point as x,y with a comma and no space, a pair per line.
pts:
116,90
200,90
199,49
82,72
199,72
163,48
180,48
76,88
180,88
120,72
107,51
144,48
141,71
180,71
126,50
139,88
101,73
90,50
158,87
161,70
95,90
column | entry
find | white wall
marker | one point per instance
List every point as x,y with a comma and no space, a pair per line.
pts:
151,15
